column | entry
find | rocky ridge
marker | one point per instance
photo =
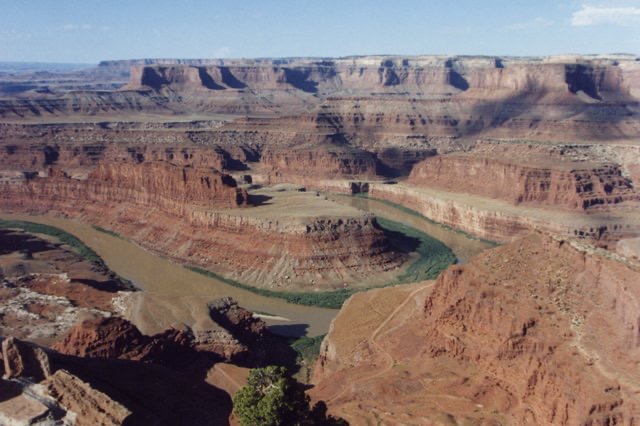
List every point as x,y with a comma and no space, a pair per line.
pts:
492,341
105,371
46,287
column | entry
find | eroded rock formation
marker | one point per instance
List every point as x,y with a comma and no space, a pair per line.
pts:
90,405
185,213
564,185
234,336
87,391
46,287
540,331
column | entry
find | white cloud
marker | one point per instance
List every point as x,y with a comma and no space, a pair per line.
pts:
13,35
222,52
530,25
599,15
83,27
455,29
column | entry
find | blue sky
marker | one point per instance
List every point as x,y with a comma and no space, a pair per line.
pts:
91,30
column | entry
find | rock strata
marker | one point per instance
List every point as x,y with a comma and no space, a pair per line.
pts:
186,213
90,406
564,185
22,359
88,391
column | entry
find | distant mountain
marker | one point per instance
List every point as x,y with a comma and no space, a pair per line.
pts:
31,67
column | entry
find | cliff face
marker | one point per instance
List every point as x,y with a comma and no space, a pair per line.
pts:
165,181
578,98
105,391
171,188
595,78
308,166
497,220
117,338
186,213
573,186
79,146
82,103
540,331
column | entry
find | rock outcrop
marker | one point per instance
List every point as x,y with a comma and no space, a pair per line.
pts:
564,185
63,393
235,336
88,391
307,167
90,405
106,372
116,338
46,287
498,220
595,77
22,359
593,97
540,331
168,187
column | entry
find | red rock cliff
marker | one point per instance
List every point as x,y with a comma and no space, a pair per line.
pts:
541,331
186,213
573,186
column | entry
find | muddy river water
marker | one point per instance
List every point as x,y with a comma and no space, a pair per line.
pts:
462,246
153,273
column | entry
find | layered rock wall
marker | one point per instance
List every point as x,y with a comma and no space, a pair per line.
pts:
184,213
308,166
171,188
442,75
562,98
486,218
572,186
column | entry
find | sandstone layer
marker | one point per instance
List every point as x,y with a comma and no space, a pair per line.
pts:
564,185
234,335
593,97
540,331
84,391
186,213
501,221
104,371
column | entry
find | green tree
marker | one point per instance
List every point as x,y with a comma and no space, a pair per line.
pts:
272,398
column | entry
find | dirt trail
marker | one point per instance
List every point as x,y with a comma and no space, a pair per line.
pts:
379,348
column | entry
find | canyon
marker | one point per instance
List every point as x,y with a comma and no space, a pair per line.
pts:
67,306
332,243
308,178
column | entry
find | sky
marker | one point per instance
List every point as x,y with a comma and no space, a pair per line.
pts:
88,31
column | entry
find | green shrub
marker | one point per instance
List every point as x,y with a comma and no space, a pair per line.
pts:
106,231
273,398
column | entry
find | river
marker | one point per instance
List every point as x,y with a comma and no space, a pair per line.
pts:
152,273
462,246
